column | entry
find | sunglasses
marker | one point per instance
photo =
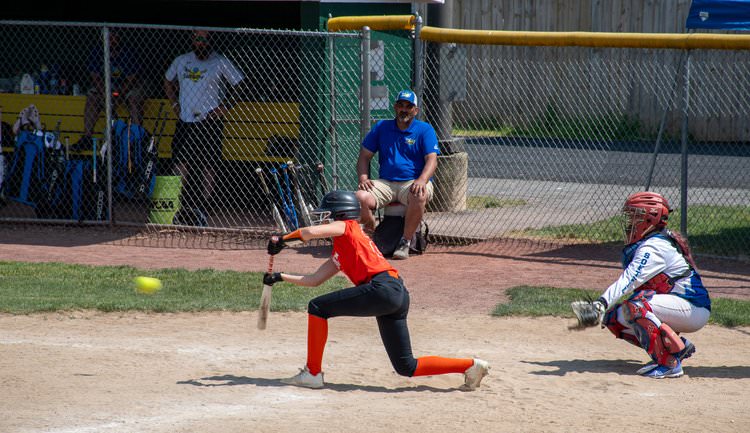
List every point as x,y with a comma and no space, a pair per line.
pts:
200,39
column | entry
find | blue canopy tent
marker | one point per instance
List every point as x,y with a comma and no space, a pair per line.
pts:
703,14
719,15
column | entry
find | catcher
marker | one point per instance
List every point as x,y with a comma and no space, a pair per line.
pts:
658,295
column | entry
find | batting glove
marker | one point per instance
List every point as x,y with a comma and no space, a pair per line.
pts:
270,279
275,245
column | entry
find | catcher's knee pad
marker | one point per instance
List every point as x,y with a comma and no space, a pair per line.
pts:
636,307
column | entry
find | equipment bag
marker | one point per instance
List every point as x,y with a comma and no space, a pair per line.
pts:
25,178
130,156
389,232
76,196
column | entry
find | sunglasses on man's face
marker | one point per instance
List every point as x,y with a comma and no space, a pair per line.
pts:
200,39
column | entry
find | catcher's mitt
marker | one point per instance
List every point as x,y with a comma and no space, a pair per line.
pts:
588,313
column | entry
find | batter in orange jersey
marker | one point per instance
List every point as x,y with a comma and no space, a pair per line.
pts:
378,292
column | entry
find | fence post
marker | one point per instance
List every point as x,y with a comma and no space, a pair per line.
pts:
108,119
365,90
334,122
418,62
684,159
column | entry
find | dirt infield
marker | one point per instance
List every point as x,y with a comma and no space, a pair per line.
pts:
214,372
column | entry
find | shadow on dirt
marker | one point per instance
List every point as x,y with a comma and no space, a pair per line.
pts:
231,380
629,367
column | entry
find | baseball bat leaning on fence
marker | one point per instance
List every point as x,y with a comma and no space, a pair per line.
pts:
271,202
130,159
289,196
265,299
280,192
98,187
302,204
58,164
153,151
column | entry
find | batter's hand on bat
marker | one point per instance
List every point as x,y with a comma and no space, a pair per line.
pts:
276,244
271,278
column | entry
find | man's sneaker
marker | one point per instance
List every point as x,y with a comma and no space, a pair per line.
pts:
305,379
474,374
402,250
685,353
662,371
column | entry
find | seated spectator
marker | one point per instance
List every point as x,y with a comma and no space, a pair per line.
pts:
125,86
408,150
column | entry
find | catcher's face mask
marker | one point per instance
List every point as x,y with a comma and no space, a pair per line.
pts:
633,223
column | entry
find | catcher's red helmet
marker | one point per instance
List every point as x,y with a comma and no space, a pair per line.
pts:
643,213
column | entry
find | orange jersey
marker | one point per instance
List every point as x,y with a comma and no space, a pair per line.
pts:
356,255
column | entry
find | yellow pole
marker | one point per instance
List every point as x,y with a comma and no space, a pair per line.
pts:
588,39
374,22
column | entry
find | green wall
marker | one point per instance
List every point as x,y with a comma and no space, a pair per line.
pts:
315,109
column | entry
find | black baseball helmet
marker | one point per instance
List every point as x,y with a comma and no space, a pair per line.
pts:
337,206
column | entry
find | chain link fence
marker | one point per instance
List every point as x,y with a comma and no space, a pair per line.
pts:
539,144
132,131
549,141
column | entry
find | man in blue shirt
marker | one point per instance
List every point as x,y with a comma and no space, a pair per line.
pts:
407,153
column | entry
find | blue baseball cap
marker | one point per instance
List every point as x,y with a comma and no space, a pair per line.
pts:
408,96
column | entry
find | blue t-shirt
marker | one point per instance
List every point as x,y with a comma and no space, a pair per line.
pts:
401,153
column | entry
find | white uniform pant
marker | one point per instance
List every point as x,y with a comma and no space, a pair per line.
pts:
678,313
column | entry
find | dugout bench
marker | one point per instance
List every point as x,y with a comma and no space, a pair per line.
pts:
262,132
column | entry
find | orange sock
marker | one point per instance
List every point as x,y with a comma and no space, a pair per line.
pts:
432,365
317,334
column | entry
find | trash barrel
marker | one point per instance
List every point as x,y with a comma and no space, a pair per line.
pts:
165,200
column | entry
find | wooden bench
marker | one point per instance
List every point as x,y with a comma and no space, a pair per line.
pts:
253,131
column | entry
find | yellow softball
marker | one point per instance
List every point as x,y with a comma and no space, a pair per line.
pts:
147,285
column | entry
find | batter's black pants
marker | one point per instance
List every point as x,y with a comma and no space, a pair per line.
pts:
385,298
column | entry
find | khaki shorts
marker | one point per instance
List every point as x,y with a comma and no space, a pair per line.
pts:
386,191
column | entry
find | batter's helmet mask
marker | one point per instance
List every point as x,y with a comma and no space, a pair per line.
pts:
337,206
643,213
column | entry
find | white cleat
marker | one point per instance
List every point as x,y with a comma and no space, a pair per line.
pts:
473,375
305,379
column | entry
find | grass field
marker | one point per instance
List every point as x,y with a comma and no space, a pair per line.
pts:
713,230
41,287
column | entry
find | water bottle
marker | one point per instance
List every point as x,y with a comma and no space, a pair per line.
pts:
27,85
43,81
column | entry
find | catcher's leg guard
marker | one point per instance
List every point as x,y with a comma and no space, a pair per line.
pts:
657,338
618,329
